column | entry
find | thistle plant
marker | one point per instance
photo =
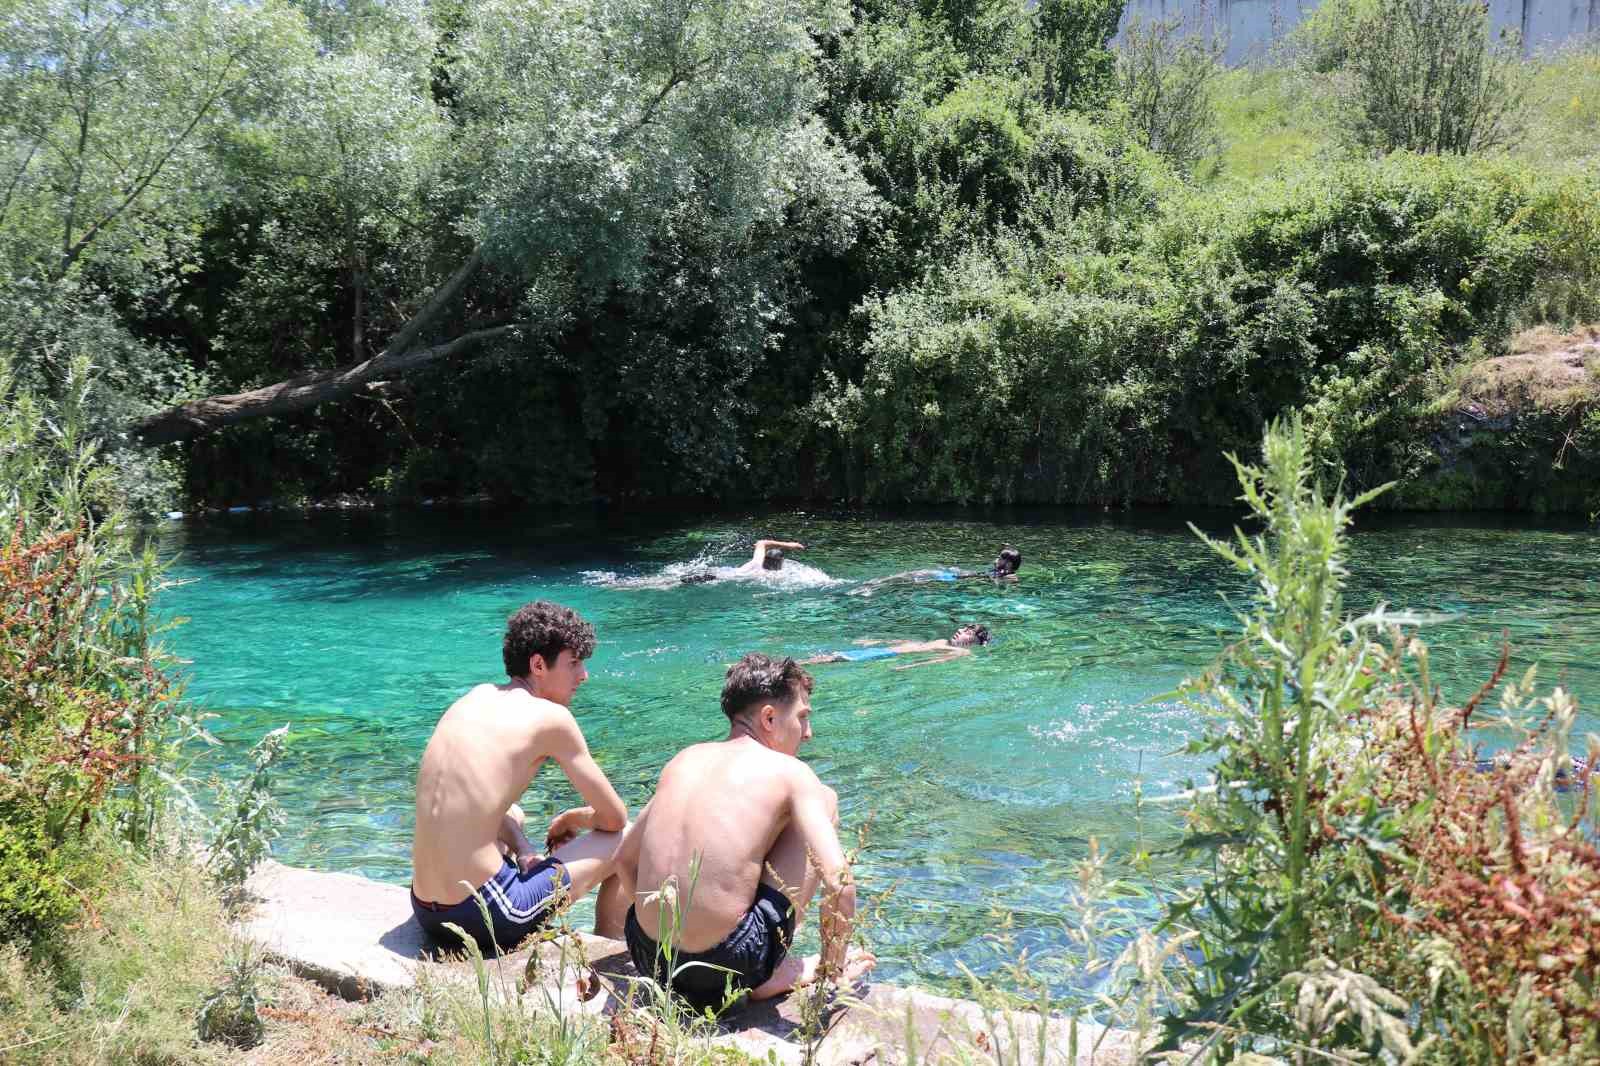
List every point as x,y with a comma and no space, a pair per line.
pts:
1376,888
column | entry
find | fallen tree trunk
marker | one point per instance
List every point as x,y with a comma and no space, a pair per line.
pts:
306,390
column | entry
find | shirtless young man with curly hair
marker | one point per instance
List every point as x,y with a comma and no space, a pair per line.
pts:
482,756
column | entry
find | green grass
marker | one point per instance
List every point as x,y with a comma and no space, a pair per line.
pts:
1564,109
125,983
1270,119
1281,118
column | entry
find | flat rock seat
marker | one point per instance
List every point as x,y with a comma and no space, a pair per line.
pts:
357,937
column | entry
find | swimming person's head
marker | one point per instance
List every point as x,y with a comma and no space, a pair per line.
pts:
1008,562
969,635
773,560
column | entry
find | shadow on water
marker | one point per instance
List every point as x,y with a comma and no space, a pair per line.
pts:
983,779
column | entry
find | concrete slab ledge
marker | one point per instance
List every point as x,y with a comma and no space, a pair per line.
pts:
357,938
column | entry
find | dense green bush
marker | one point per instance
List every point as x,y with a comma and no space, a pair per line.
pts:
1428,77
1094,359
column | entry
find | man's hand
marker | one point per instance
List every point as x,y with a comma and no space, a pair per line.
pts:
527,860
567,825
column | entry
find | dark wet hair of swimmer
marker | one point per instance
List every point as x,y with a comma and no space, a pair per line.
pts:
1008,562
969,635
773,560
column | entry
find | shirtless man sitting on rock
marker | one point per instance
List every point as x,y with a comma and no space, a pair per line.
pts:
482,756
743,814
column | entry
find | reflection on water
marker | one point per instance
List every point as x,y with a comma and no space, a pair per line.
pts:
982,780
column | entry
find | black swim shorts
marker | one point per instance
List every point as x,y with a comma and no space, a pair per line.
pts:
746,957
518,905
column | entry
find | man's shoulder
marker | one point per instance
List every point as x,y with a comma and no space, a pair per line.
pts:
790,768
511,705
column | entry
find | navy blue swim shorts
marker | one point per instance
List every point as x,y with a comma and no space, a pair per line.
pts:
518,904
746,957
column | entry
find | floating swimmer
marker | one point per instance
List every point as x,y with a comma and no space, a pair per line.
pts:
1005,568
768,555
959,643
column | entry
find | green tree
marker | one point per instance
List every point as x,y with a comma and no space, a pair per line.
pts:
107,109
1165,81
1429,78
1072,48
585,129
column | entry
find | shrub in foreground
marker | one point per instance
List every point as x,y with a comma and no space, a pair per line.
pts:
1375,888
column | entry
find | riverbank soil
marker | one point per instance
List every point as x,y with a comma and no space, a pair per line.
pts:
1519,431
1545,370
305,1025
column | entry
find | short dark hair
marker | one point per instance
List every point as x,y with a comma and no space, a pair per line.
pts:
1010,561
977,631
773,559
758,678
543,628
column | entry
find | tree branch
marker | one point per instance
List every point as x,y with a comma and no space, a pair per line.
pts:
298,393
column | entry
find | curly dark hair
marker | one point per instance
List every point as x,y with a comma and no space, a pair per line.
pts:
758,679
544,628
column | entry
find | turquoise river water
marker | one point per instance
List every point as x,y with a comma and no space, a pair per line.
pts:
981,780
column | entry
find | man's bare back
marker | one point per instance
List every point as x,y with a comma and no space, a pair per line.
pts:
725,803
483,755
470,844
727,855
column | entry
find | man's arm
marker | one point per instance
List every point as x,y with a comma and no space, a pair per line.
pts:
513,840
949,652
762,546
813,815
605,810
627,858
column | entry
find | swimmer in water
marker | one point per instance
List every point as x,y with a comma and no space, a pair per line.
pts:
768,555
959,643
1005,568
766,558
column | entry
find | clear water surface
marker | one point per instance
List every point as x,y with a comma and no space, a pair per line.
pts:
981,781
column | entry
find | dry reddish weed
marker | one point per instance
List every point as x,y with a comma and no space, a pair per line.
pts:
1519,906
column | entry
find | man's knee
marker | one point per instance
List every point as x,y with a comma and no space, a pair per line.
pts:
514,812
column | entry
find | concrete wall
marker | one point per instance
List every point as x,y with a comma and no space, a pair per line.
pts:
1250,26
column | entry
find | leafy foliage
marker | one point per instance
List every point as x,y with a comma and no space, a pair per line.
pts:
1165,80
1098,359
1349,818
1429,79
708,226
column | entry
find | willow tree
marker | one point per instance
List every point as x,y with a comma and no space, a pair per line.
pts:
109,114
587,136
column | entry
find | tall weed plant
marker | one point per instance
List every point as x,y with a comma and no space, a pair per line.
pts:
1375,887
84,701
91,720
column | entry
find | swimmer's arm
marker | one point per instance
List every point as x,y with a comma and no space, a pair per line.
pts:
760,552
605,810
952,653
